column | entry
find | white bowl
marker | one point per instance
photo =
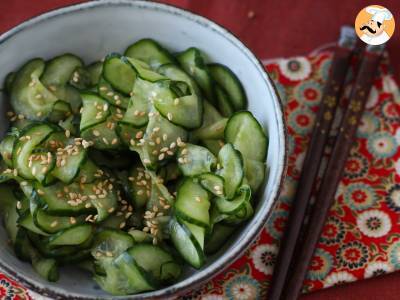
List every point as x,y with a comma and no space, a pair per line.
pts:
93,29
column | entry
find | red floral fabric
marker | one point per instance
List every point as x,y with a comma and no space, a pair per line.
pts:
361,238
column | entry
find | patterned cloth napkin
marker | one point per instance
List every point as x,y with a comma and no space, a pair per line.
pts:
361,238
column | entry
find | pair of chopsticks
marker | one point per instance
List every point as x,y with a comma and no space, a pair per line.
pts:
299,241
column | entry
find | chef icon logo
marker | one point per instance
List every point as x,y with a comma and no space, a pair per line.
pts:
374,25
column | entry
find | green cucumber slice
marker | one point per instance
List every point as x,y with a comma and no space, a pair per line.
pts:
212,183
75,235
95,110
29,139
243,130
192,203
220,234
231,163
232,207
186,244
109,243
6,148
231,84
95,70
194,160
150,52
119,73
59,70
107,92
223,102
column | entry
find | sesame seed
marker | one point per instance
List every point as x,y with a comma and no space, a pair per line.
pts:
38,96
111,209
165,136
146,161
54,224
180,160
19,204
142,113
169,116
155,129
132,142
72,220
176,101
114,141
109,254
161,156
158,141
110,94
39,114
173,145
197,198
105,141
217,187
103,88
122,225
96,133
88,205
67,133
140,192
139,135
23,183
136,113
184,151
10,113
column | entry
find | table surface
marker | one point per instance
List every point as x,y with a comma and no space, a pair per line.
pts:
272,28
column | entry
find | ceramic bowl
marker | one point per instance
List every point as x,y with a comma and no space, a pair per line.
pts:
93,29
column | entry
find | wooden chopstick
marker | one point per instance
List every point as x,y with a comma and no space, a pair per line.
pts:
325,116
344,141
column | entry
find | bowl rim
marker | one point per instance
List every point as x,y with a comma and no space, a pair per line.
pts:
217,267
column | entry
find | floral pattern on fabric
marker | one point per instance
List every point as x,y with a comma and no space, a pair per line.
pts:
361,237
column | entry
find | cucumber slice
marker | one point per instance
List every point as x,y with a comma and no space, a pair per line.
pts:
152,258
29,139
8,203
220,234
95,110
127,133
107,92
140,236
194,160
72,236
243,130
214,131
26,221
232,169
232,207
69,161
150,52
42,162
187,111
255,173
6,148
212,183
213,145
186,244
109,243
104,136
223,102
124,276
95,70
29,96
119,73
56,199
61,110
143,70
197,231
160,135
69,95
45,267
80,79
52,224
192,203
59,70
193,63
231,84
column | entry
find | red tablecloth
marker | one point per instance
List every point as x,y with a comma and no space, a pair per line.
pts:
277,28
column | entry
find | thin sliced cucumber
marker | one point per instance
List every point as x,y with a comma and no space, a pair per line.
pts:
95,110
193,63
151,258
95,70
107,92
119,74
72,236
255,173
143,70
80,79
230,83
110,243
186,244
212,183
69,95
26,221
197,231
223,102
8,203
141,237
194,160
192,203
6,148
243,130
29,139
61,110
139,185
187,111
8,82
231,163
232,207
160,135
45,267
29,96
150,52
59,70
214,131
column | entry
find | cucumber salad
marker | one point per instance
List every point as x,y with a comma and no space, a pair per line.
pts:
129,167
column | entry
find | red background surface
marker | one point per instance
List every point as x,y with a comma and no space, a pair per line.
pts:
278,28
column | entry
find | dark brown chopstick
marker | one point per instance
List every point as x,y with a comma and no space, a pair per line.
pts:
325,116
344,141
